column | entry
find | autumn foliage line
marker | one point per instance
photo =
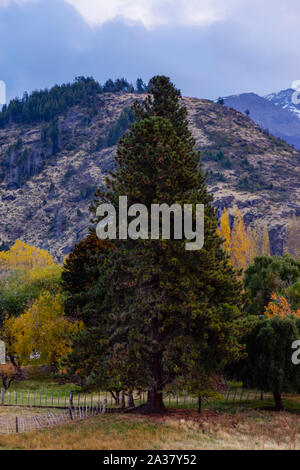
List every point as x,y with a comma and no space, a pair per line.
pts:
24,257
241,243
244,244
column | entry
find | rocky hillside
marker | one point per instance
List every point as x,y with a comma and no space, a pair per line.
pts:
49,170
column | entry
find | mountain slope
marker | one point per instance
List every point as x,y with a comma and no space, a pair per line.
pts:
271,112
284,100
49,171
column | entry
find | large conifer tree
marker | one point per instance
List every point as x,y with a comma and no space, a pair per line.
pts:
172,311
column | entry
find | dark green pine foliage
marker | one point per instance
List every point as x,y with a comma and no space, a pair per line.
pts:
164,101
266,275
267,364
141,87
172,312
45,105
122,125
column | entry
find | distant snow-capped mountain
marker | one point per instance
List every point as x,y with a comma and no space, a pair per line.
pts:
275,112
284,100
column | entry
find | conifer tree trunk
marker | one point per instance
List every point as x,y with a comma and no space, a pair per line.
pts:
199,404
130,400
278,401
155,403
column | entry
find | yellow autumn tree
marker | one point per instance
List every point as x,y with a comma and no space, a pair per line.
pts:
44,278
280,306
25,272
40,335
24,257
241,244
224,231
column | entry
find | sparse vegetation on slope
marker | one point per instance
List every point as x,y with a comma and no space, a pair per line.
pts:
49,170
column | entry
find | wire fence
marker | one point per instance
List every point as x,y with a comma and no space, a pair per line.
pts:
59,399
73,407
241,394
16,424
64,399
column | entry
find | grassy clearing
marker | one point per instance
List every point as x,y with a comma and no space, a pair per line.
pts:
239,427
21,411
40,379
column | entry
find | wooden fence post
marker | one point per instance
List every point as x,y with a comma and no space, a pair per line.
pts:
104,406
2,396
71,399
17,424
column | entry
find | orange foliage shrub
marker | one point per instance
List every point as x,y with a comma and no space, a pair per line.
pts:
280,306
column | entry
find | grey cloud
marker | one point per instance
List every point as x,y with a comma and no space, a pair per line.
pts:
48,42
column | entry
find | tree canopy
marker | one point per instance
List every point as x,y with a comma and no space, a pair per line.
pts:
157,309
269,274
25,272
45,105
267,364
41,335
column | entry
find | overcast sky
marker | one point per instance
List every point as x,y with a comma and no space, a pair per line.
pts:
209,48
